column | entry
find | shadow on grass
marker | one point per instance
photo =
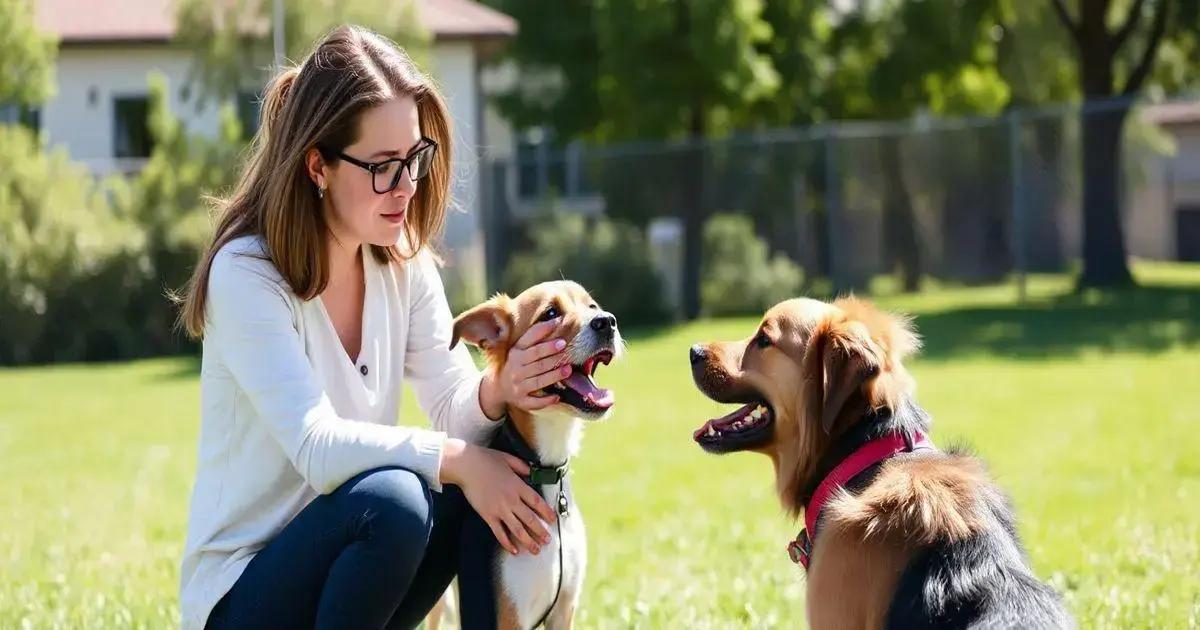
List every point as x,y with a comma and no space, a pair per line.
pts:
1145,319
185,366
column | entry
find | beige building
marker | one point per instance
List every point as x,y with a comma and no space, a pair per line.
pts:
1163,218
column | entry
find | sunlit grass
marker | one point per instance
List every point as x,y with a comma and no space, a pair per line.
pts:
1085,408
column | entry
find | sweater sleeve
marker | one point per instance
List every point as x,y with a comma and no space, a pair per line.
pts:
251,327
446,381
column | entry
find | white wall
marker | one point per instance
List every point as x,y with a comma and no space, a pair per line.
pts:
454,69
453,66
80,116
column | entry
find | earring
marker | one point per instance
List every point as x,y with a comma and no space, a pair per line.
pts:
320,192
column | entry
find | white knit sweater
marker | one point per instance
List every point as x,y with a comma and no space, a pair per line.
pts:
285,415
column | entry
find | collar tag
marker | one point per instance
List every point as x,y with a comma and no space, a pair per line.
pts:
800,549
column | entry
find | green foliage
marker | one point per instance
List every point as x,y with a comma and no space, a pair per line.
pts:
68,259
557,58
739,276
800,32
167,198
26,56
666,66
609,258
86,265
618,69
1035,56
228,37
896,58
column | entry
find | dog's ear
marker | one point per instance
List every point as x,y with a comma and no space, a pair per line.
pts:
485,325
839,360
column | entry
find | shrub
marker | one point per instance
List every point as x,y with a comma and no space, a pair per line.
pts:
609,258
68,260
738,276
85,265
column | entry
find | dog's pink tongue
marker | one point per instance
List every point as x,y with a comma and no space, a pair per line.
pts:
596,396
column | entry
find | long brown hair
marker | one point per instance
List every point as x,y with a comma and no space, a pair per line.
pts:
316,103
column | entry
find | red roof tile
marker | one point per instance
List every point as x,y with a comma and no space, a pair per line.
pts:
90,21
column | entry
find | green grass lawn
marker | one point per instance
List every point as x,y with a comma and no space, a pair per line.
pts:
1086,407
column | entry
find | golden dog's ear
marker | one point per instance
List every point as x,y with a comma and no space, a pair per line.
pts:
839,360
485,325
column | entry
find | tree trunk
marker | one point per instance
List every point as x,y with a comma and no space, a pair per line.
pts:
1104,258
1104,263
899,222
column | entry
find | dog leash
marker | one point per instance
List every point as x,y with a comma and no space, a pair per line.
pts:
562,513
544,476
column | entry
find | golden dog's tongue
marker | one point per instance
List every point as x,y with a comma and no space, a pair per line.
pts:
584,386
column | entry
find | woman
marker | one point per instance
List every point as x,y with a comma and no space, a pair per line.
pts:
317,297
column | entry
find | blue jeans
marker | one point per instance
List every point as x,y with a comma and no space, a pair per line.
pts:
377,552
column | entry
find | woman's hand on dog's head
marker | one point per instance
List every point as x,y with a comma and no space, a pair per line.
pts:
533,363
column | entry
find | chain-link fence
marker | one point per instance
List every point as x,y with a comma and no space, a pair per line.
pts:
959,200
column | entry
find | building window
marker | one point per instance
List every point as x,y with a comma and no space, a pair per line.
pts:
24,115
249,112
131,130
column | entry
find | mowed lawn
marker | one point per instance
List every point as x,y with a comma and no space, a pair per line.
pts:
1086,407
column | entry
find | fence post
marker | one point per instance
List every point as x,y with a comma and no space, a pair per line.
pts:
1016,196
833,208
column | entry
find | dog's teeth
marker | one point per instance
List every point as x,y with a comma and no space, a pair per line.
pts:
711,430
762,410
756,414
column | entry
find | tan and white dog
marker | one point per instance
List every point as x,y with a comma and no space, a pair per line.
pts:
544,588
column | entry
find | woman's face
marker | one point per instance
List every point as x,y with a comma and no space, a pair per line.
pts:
354,212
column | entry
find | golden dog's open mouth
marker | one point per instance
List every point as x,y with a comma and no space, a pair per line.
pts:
580,391
751,425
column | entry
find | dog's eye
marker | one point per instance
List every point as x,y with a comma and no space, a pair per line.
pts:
762,340
550,314
593,307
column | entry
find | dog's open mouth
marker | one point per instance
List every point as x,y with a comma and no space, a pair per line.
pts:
580,391
748,427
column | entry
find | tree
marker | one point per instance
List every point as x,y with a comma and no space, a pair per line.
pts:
63,249
707,70
619,70
895,59
556,56
1034,57
26,56
1113,67
167,199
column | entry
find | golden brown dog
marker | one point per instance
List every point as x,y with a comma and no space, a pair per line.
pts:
529,589
916,537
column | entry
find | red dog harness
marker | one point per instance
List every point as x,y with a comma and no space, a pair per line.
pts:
867,455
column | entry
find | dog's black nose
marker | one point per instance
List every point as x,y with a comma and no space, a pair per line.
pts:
696,354
604,322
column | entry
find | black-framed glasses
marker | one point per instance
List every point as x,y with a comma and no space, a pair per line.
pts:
385,175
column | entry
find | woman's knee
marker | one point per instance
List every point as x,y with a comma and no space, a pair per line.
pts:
394,505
